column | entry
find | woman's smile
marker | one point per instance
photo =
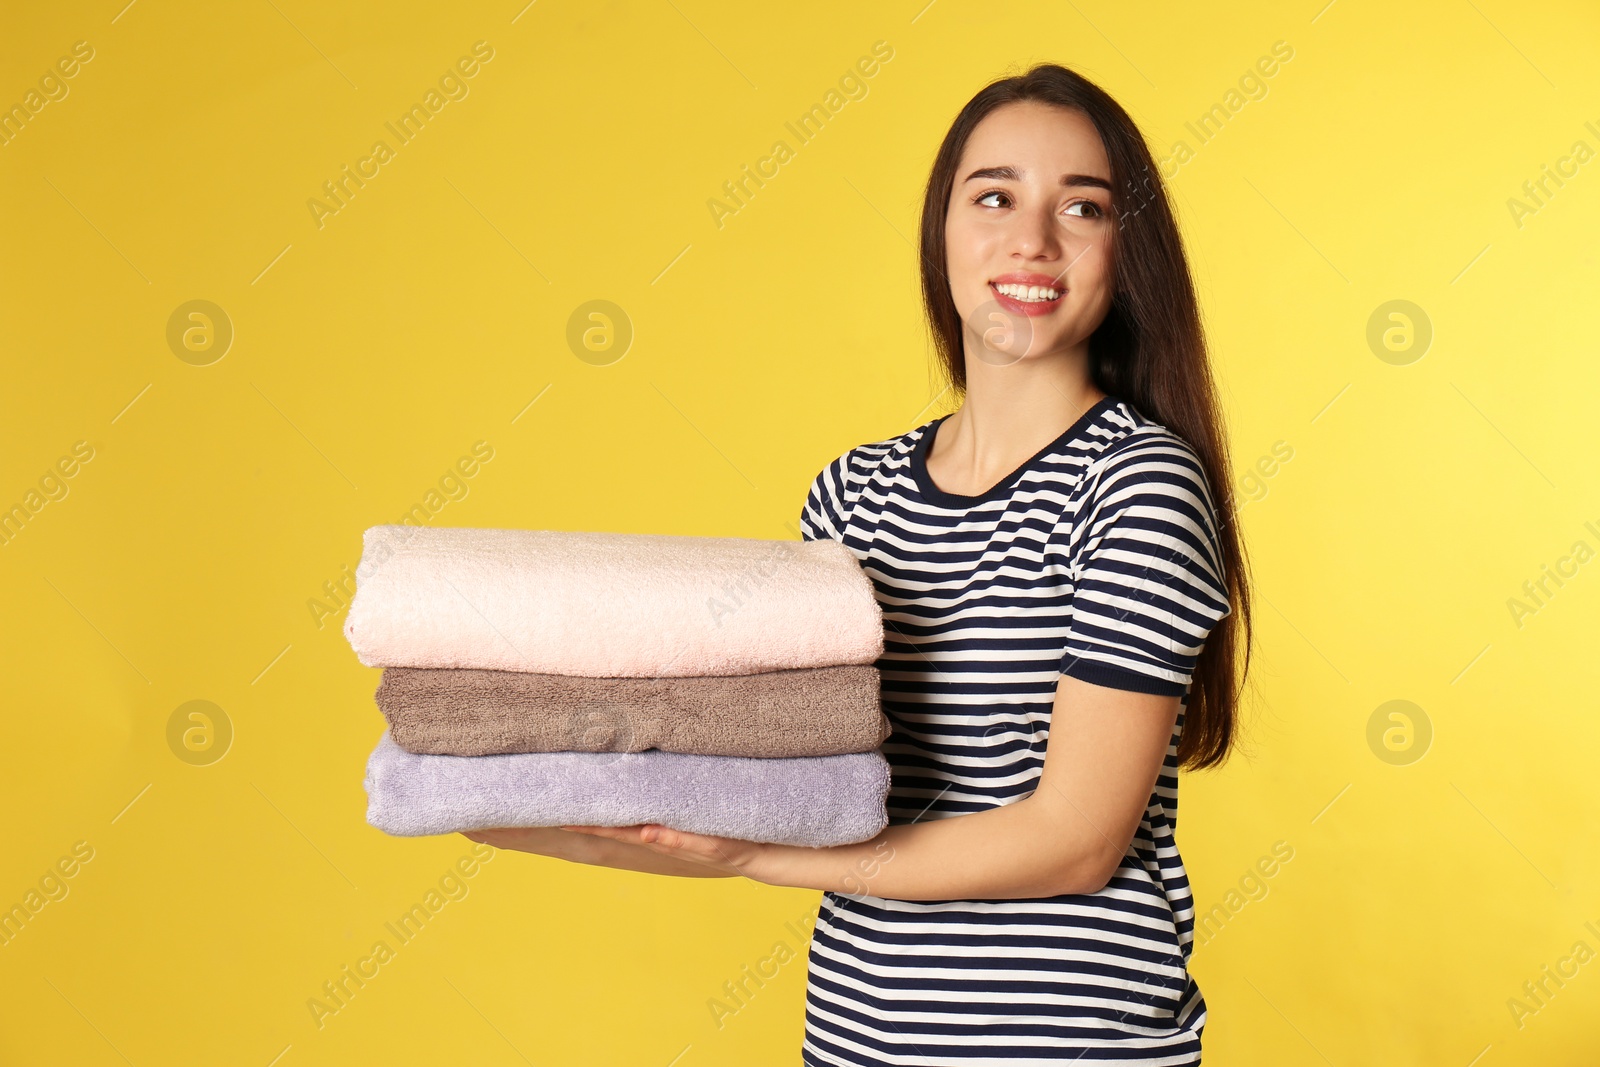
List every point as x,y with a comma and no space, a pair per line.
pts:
1028,293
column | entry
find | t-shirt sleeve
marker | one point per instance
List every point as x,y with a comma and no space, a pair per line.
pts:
1148,573
827,508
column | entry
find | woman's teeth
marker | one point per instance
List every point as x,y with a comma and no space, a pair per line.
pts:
1032,294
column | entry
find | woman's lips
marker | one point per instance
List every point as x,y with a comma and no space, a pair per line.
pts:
1033,309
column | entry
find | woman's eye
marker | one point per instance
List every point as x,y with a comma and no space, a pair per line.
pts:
1091,209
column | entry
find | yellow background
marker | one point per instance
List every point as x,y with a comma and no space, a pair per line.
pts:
431,311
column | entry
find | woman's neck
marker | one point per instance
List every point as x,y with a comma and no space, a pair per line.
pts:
1008,415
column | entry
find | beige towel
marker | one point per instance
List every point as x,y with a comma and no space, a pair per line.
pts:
809,711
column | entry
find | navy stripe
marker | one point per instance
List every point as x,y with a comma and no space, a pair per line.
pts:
1097,558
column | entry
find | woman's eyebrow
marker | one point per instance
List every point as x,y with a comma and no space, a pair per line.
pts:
1012,174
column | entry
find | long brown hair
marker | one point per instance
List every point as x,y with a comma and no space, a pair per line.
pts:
1150,350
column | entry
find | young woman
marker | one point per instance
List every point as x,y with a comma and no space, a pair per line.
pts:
1058,568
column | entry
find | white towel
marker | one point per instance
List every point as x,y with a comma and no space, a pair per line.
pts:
608,604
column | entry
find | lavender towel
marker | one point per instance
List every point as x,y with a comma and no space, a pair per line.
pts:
807,800
608,604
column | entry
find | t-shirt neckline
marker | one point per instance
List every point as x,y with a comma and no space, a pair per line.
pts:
931,492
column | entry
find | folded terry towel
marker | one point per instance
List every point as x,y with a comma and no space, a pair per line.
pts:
608,604
810,800
812,711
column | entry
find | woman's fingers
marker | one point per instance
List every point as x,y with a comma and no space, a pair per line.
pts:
681,843
663,839
721,853
660,838
542,840
616,833
666,836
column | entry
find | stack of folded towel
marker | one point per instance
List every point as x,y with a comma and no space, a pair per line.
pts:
716,685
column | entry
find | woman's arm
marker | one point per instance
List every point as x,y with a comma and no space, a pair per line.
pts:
1105,751
590,849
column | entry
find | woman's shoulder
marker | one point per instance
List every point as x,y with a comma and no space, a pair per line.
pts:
838,485
1152,478
859,461
1136,446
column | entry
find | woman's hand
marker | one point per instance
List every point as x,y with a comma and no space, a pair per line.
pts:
624,847
722,855
539,840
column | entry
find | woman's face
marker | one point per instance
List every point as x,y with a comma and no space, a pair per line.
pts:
1030,210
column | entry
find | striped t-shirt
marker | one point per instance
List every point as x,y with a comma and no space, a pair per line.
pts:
1098,558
